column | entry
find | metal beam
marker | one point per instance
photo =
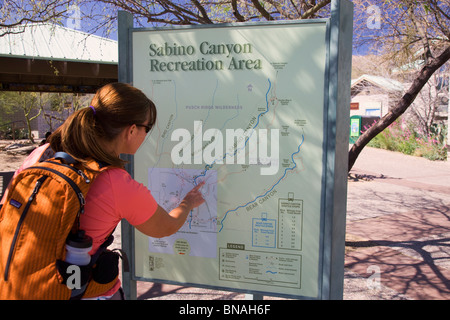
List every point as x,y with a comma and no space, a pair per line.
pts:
42,75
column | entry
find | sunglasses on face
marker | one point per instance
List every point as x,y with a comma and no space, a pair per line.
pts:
147,128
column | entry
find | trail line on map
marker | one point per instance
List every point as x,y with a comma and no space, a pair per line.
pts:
212,102
209,166
275,184
172,124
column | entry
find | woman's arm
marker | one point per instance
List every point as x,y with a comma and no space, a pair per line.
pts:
162,224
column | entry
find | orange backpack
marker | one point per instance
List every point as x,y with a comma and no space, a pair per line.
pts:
42,208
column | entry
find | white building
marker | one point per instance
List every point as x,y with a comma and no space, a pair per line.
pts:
373,95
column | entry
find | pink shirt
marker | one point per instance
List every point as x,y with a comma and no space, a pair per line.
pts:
113,196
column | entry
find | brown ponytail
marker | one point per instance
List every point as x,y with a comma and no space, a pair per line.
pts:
86,132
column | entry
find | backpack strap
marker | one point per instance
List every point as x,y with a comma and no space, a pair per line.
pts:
104,247
65,157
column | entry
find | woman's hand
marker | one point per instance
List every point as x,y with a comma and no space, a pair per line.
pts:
162,223
194,198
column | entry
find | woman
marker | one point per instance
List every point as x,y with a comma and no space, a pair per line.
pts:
117,122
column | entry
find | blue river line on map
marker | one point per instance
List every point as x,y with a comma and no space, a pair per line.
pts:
268,191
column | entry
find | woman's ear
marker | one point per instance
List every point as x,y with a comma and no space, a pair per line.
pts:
132,130
129,132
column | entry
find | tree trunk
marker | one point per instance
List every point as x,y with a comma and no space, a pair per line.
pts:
402,105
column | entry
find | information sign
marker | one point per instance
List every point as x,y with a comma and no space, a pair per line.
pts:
243,108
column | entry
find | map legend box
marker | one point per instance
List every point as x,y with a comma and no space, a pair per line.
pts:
257,267
290,220
264,232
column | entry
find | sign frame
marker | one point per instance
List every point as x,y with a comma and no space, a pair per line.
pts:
335,150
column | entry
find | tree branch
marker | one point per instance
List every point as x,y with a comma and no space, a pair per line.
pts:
311,11
203,11
261,10
236,13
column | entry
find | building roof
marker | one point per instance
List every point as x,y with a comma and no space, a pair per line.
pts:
384,83
53,42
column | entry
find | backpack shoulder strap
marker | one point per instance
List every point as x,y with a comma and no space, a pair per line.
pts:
65,157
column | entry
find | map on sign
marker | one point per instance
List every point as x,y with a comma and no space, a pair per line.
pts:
242,110
199,233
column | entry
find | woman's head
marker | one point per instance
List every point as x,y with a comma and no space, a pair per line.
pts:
92,132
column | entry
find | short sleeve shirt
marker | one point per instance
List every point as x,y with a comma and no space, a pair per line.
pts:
114,196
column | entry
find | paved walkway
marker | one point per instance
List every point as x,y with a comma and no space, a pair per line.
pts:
398,226
398,233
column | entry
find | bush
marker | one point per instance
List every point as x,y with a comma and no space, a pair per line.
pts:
408,141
